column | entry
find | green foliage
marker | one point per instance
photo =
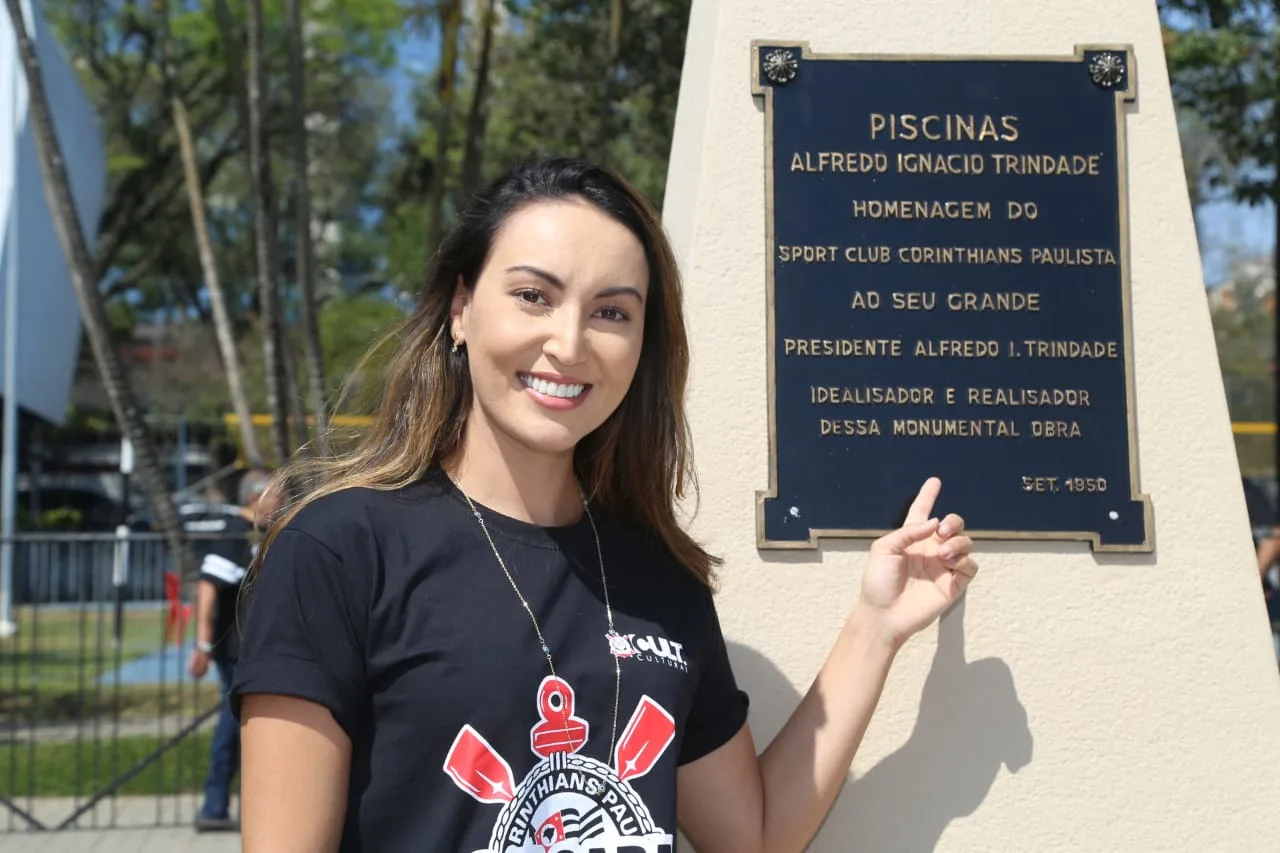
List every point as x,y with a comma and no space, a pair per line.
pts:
145,233
58,519
597,80
349,329
1222,64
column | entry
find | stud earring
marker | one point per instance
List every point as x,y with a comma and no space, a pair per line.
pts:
456,344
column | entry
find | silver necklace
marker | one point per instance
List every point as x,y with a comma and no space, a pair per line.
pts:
608,608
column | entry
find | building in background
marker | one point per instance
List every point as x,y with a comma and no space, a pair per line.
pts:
48,315
32,259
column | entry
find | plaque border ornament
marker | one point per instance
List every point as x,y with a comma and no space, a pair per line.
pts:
1107,69
780,66
1099,61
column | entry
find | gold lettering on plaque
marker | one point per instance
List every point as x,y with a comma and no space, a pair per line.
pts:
871,395
1055,429
838,161
1071,349
868,254
868,301
924,163
956,427
849,427
957,349
959,255
952,127
808,254
1069,397
842,347
1047,164
910,209
917,301
968,301
1074,257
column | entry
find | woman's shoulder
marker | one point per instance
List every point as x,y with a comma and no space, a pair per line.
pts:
648,555
363,513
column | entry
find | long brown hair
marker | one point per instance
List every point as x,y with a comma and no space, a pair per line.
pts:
637,465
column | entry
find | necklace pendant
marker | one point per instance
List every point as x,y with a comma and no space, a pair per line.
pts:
620,645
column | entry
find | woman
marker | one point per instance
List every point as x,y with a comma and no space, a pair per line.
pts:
487,631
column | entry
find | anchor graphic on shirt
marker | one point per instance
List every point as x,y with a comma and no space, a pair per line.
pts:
567,796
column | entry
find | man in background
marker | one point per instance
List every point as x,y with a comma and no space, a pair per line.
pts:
227,555
1264,519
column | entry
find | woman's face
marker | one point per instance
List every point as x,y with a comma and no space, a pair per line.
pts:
553,327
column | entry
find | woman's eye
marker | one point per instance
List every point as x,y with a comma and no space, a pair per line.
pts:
532,297
615,314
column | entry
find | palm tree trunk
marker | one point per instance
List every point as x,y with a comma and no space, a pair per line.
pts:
450,29
293,396
305,260
612,91
478,114
81,265
222,326
265,234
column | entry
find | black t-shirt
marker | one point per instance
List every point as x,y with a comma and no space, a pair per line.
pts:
390,609
225,560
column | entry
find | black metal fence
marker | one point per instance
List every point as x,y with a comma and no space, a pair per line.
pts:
100,723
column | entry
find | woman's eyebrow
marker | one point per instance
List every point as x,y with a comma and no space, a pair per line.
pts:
554,281
621,290
549,278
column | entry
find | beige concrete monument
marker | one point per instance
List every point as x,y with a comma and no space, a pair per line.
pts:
1109,682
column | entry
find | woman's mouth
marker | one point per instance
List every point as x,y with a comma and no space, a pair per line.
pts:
552,394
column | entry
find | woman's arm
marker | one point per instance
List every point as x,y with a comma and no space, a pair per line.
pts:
730,801
293,779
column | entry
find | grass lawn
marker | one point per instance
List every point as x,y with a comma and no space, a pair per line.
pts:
50,671
58,714
80,770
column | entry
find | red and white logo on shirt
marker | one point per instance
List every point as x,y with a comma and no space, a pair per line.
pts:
568,802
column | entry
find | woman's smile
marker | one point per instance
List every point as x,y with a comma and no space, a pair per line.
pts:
559,393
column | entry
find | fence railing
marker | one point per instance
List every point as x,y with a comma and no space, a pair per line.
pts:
79,567
100,723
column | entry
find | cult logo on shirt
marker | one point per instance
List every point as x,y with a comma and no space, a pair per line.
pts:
648,648
568,803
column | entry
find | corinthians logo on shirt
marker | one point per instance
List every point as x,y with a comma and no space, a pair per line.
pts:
568,803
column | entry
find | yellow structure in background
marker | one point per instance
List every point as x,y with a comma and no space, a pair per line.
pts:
262,423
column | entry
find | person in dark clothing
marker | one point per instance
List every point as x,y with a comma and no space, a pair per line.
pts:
484,627
1264,521
227,553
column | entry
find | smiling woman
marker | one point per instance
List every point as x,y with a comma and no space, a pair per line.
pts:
484,629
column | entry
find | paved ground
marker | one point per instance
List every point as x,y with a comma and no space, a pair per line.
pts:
121,841
135,829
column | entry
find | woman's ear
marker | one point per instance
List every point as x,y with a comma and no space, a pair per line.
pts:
458,311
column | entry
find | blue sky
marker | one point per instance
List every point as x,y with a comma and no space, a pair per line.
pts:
1232,229
417,55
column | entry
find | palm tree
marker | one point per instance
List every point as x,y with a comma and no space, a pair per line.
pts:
477,116
450,16
81,264
305,265
265,234
222,325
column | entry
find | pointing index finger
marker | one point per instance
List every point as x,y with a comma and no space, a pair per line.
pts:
922,506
